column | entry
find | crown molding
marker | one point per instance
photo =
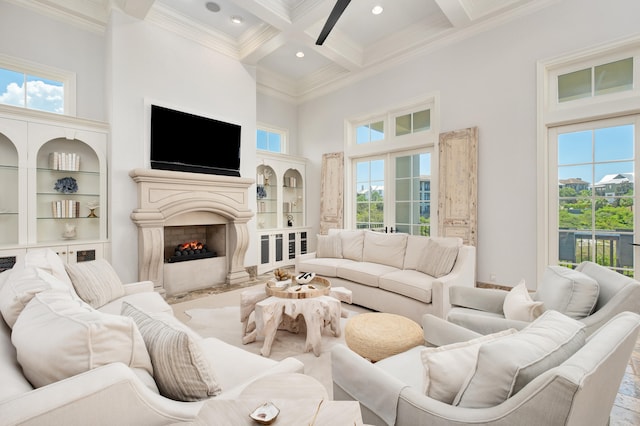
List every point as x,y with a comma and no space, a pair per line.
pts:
86,15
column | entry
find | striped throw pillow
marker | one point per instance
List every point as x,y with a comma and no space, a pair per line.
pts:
438,259
180,367
95,281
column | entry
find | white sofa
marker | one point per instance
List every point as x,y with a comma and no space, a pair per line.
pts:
402,274
48,379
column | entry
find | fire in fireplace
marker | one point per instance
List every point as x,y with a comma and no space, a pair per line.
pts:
191,250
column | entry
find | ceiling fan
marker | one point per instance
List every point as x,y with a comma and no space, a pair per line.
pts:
339,7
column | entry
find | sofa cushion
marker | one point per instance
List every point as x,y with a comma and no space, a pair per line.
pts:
181,370
386,249
410,283
148,301
518,304
47,260
325,266
571,292
439,257
506,365
352,242
329,246
364,272
57,337
20,287
95,281
446,368
416,246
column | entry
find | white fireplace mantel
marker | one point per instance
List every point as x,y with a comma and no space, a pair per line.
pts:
165,196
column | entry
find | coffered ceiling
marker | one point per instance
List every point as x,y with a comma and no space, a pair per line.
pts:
271,32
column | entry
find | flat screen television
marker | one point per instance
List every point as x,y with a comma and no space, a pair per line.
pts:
185,142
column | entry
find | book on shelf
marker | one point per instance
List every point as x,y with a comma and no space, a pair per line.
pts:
64,161
65,209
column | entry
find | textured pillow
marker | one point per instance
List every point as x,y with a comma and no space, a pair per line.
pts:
518,304
57,337
95,281
20,287
568,291
506,365
447,367
329,246
352,242
438,258
47,260
385,249
180,368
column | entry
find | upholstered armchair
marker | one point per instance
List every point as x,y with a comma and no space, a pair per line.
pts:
591,294
578,390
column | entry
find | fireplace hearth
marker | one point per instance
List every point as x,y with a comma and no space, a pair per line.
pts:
175,201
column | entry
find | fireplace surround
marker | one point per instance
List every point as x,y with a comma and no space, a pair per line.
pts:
168,199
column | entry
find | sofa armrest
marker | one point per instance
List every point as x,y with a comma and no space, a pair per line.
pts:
463,274
362,381
482,299
440,332
138,287
74,400
302,257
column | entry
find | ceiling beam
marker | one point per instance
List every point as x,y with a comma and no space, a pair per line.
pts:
136,8
455,11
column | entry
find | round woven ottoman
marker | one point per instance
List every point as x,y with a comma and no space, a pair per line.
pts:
378,335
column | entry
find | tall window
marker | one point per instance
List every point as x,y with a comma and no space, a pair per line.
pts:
587,198
271,140
37,87
595,193
390,185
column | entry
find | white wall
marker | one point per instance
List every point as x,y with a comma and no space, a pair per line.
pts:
281,114
489,81
148,64
45,41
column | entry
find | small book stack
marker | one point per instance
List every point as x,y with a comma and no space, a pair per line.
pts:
64,161
65,208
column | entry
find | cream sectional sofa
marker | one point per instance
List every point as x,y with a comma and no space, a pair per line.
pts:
79,347
396,273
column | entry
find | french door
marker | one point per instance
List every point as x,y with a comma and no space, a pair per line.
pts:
392,192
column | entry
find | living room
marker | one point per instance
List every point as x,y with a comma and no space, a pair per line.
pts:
490,79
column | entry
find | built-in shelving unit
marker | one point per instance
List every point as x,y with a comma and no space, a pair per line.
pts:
280,215
54,175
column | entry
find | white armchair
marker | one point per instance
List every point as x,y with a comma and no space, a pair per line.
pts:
581,390
481,310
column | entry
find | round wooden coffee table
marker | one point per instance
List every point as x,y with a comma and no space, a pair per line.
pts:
378,335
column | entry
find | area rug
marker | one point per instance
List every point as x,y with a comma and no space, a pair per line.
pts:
224,323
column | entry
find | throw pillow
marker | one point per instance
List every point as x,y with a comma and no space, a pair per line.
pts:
329,246
518,304
95,281
506,365
180,367
47,260
352,242
57,337
385,249
20,287
447,367
438,258
568,291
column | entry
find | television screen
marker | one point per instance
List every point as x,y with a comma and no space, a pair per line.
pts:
189,143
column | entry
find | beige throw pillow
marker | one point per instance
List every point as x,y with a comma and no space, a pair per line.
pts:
95,281
20,287
352,243
385,249
57,337
506,365
329,246
180,368
438,258
571,292
447,367
519,306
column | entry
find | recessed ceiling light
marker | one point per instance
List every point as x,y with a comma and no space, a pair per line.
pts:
213,7
237,19
377,10
300,54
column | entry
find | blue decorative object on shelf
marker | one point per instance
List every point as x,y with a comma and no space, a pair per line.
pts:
262,192
66,185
